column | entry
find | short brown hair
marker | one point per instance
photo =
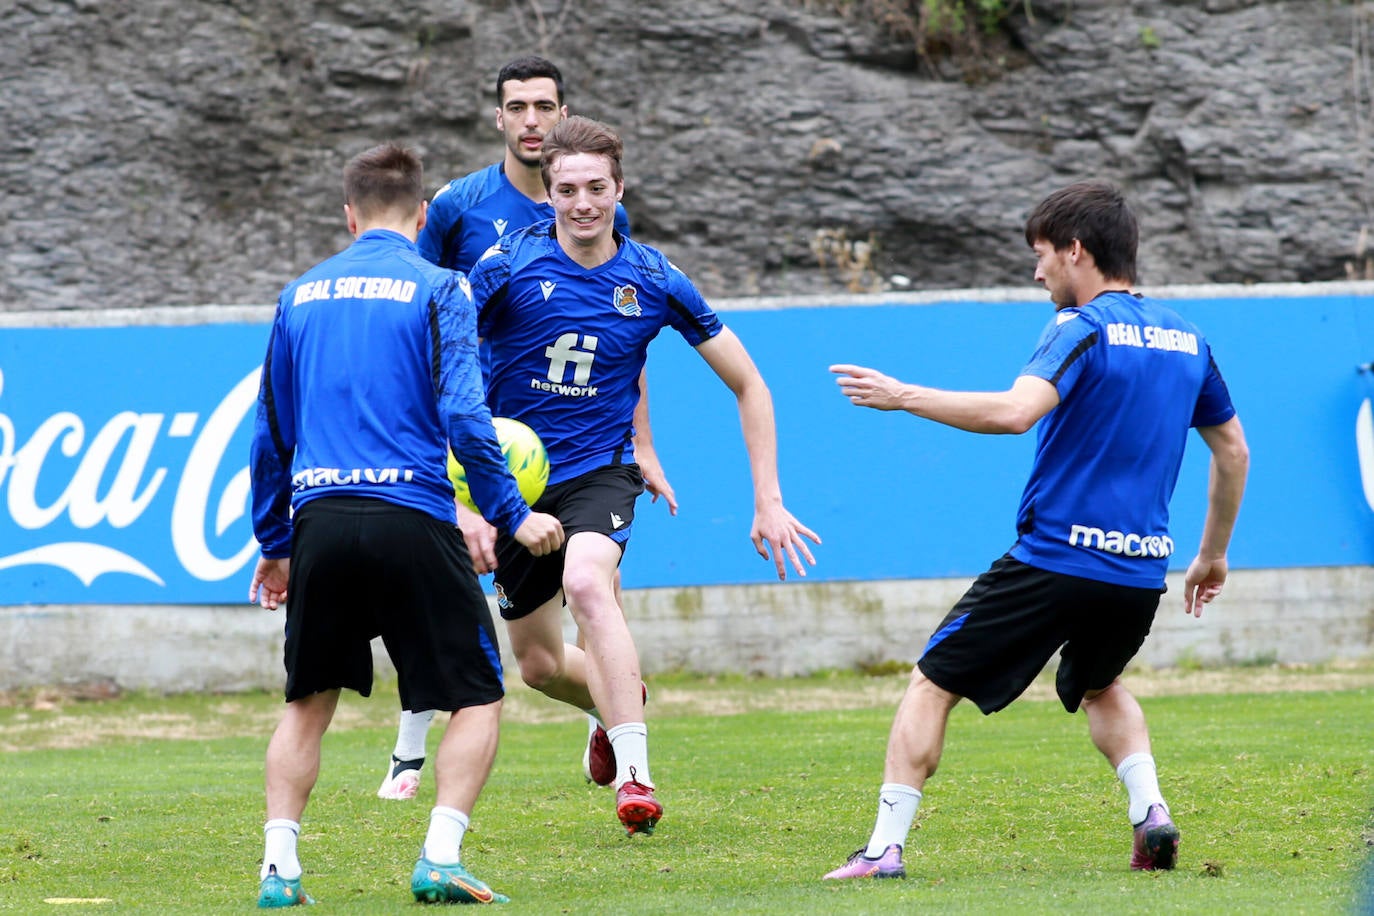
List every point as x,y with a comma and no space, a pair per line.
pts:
386,178
1095,213
577,134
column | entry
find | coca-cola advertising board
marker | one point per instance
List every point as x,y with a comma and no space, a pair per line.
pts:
124,463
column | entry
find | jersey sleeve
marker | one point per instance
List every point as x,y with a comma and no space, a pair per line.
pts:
1064,350
488,279
464,412
689,314
273,445
1214,405
436,240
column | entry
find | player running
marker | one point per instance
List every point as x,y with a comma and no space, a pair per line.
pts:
568,308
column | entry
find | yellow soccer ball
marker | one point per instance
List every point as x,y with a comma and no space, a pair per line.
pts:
525,456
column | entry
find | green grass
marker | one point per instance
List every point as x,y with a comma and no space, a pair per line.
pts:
1272,793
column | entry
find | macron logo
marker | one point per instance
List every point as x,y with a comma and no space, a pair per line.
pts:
500,226
616,521
1121,543
546,287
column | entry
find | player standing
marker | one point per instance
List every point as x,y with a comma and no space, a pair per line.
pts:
371,373
1116,382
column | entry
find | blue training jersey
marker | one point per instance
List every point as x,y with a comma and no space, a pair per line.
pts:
1133,377
469,214
567,343
371,371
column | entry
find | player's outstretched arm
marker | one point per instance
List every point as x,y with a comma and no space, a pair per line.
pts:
775,530
1225,487
1013,411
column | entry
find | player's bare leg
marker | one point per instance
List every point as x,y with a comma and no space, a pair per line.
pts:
613,674
293,766
1117,726
547,663
293,754
461,766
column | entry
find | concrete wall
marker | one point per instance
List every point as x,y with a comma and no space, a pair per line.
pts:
1302,615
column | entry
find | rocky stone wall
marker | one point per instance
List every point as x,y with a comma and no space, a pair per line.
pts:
165,153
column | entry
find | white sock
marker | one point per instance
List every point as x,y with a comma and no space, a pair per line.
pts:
896,810
444,841
280,848
1137,774
410,735
630,741
593,720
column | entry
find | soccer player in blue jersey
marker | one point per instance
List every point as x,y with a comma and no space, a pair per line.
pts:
371,374
466,217
1116,383
568,308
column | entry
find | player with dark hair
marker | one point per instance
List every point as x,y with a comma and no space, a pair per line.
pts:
568,308
1115,383
466,217
371,374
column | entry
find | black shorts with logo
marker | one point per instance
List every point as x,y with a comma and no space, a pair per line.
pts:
362,568
1014,617
601,500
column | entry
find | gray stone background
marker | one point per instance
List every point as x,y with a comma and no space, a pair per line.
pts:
167,153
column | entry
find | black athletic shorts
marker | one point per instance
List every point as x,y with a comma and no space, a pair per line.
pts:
362,568
1009,623
601,500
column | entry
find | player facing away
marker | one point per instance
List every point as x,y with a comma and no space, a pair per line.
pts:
568,308
465,218
371,373
1116,382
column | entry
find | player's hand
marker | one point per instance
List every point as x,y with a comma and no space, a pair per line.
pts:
776,531
655,481
1202,583
480,536
269,582
869,387
541,533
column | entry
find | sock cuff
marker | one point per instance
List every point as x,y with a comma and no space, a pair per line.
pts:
452,814
277,822
1131,761
627,728
897,788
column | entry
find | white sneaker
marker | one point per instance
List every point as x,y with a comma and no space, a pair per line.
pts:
401,786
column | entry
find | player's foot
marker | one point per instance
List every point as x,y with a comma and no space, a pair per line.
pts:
432,883
400,784
1156,841
859,865
636,806
276,891
598,758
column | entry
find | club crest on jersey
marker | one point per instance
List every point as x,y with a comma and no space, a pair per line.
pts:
626,301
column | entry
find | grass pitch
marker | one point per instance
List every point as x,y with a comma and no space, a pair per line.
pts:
149,804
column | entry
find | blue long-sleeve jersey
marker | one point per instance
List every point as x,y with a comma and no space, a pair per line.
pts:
371,372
